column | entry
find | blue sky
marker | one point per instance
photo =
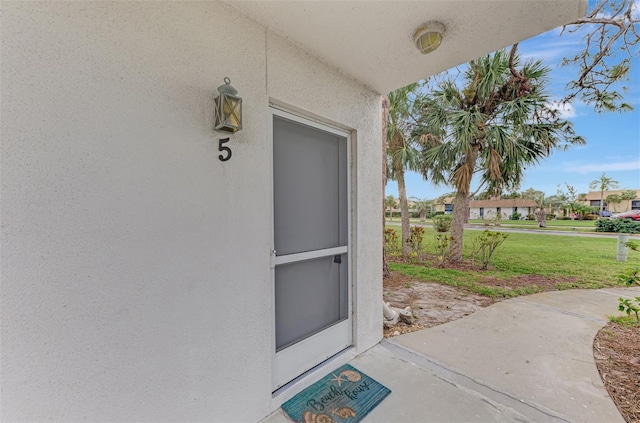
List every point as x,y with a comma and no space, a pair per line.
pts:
613,139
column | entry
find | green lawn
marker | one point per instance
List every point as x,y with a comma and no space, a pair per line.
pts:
571,262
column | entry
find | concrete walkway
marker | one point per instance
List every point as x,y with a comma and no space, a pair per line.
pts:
527,359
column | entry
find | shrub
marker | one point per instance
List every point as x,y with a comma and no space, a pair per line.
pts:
630,277
618,225
515,216
439,213
565,218
415,240
442,248
533,217
591,217
630,306
442,223
606,226
550,216
390,241
484,246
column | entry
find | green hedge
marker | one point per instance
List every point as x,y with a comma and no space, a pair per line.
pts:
515,216
618,225
412,214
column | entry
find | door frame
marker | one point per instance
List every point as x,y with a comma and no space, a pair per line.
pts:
293,355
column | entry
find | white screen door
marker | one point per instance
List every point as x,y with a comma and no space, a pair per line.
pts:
311,243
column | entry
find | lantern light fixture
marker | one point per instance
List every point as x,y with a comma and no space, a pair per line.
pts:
428,37
228,108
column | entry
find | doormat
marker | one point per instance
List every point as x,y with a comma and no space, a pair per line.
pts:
344,396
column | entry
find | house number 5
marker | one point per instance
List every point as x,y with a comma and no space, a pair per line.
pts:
224,149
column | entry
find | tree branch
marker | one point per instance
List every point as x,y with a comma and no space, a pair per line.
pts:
478,190
512,55
613,31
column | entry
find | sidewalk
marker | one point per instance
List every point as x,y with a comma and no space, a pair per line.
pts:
525,359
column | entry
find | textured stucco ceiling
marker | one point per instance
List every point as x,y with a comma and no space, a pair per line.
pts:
372,41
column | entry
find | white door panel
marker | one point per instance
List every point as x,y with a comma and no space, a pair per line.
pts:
311,245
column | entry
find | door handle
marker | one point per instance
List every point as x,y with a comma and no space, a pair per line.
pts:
337,259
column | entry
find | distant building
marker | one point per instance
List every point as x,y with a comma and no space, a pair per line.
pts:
478,209
444,205
593,199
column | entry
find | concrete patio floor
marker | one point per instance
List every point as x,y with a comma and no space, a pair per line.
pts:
528,359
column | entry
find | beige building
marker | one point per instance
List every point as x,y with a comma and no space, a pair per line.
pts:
593,199
444,205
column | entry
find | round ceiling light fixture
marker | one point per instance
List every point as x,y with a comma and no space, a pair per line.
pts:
428,37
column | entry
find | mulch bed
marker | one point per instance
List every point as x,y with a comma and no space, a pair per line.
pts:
617,353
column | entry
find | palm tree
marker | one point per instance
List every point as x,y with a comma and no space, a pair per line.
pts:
603,184
386,271
628,195
402,153
541,205
424,206
490,128
390,203
613,200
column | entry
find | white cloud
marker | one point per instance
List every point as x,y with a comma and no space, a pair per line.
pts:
566,110
553,51
603,167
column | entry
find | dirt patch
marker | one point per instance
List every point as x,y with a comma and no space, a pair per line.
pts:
523,281
432,304
617,353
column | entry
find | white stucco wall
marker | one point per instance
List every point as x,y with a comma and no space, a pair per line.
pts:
505,212
136,281
490,212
